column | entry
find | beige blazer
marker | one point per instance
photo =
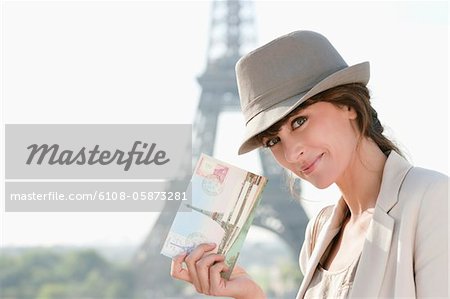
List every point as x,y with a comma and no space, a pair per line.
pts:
405,251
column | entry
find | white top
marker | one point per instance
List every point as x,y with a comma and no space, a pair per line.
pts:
332,284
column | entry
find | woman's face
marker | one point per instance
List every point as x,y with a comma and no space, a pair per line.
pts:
316,143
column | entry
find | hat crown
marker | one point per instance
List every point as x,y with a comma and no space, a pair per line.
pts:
289,65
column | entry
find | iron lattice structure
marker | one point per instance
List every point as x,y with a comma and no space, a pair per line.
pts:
232,33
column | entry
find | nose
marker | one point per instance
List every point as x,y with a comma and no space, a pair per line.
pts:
293,149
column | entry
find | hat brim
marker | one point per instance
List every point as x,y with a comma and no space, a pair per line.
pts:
358,73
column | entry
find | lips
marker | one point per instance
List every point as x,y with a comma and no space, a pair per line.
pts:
312,165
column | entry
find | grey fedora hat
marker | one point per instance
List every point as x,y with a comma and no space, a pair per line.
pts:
276,78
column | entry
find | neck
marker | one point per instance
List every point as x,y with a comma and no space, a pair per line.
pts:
361,182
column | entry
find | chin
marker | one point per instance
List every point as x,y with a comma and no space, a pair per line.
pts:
321,185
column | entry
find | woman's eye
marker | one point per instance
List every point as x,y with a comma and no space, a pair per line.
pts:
298,122
272,141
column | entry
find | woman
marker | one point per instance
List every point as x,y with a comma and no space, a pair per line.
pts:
387,235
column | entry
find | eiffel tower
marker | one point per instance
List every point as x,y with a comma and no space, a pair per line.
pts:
231,31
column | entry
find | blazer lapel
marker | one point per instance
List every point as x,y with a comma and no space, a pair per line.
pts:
326,235
372,265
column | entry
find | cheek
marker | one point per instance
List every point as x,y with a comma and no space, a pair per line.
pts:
342,138
341,154
278,157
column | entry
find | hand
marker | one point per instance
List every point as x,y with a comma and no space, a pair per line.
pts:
203,271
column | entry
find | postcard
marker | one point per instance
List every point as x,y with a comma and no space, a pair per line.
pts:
224,200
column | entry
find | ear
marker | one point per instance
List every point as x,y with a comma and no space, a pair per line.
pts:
351,112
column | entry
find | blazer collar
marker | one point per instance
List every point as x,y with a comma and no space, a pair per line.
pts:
378,237
377,245
395,170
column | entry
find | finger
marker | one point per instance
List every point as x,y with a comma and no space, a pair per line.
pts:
192,259
176,269
237,271
203,266
216,281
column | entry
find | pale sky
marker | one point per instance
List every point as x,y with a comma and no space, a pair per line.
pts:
133,62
